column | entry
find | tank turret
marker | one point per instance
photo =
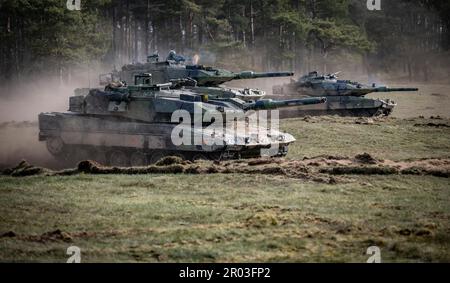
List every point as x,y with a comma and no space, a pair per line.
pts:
207,76
314,84
174,68
160,99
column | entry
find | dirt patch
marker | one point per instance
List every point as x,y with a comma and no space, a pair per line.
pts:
9,234
51,236
24,169
418,232
323,169
364,121
89,166
415,170
365,158
262,161
92,167
360,170
170,160
261,220
56,235
327,157
376,120
434,125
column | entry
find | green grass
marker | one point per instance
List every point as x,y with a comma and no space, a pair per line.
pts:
219,218
430,100
244,218
393,139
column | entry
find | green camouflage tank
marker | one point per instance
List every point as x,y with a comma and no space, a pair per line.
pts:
344,97
134,125
208,79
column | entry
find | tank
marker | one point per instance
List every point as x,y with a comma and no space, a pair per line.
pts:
344,97
124,125
174,68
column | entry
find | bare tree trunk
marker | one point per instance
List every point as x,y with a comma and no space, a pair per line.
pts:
252,25
425,70
135,40
409,69
127,31
243,30
190,29
155,37
280,45
146,29
114,35
60,73
182,34
200,35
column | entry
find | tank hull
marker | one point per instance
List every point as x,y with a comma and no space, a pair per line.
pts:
342,106
73,137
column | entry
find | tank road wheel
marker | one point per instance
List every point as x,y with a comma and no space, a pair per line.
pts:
60,151
118,158
156,156
138,158
55,146
211,156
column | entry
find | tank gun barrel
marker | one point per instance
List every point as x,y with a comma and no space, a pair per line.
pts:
252,75
264,104
393,89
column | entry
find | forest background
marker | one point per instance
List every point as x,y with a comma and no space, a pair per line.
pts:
405,40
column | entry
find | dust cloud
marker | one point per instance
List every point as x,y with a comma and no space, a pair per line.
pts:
19,109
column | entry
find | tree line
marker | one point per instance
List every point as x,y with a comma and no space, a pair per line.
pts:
406,37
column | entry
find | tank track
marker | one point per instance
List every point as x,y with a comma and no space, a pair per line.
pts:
366,112
71,155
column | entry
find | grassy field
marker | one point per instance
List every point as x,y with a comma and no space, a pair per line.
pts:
244,218
392,138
